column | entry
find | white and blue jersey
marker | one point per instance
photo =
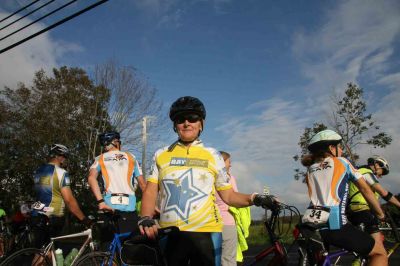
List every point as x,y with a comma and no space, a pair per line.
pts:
119,171
328,187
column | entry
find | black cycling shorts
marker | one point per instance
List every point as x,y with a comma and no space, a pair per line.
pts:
350,238
199,248
46,227
369,220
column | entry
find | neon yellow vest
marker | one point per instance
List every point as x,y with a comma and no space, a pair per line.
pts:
357,202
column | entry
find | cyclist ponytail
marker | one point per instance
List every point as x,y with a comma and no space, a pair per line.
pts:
307,160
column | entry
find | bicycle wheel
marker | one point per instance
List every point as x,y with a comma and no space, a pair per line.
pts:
27,257
96,259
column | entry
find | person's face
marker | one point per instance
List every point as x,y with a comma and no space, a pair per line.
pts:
188,126
378,170
228,165
62,159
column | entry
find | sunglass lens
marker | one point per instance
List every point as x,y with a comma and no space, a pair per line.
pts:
191,118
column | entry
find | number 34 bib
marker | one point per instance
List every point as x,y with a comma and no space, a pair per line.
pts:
316,215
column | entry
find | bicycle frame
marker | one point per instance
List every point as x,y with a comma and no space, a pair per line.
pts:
395,231
49,249
116,246
276,246
334,255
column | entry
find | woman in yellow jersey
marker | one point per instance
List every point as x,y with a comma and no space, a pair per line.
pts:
186,177
327,179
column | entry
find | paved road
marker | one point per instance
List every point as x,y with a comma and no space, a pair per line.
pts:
293,257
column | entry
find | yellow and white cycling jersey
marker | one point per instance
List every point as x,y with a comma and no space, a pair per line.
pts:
188,178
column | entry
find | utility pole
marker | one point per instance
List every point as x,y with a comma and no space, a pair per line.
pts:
144,140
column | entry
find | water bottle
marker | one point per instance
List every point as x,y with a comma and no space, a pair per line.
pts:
59,257
70,257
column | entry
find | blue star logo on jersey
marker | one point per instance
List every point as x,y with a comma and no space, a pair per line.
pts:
181,193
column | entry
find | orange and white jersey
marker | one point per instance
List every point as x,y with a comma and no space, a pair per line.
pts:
328,186
119,171
188,179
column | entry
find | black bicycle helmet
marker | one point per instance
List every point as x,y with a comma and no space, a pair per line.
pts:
58,149
187,104
107,137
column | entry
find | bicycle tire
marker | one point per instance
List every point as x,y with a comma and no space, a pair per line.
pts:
27,257
96,258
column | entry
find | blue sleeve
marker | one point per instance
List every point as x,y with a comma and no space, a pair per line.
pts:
66,182
137,172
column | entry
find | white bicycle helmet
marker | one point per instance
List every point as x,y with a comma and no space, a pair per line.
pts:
324,138
382,162
59,149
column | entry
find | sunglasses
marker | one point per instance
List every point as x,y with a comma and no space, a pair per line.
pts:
381,165
191,118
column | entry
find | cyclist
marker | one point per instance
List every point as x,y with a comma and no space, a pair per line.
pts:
186,176
53,192
120,173
327,180
229,232
358,208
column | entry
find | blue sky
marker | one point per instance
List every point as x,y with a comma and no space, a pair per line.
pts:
264,69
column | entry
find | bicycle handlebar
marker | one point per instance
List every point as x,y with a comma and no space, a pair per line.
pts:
162,232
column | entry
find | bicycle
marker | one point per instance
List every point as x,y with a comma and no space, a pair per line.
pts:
46,255
312,250
273,224
19,235
113,256
391,234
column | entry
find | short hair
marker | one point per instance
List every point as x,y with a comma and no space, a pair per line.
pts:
225,155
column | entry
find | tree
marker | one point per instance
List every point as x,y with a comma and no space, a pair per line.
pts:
303,143
350,121
131,99
53,110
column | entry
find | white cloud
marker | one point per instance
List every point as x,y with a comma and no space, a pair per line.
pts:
262,147
356,38
20,63
355,41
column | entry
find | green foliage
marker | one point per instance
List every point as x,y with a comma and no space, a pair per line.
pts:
58,109
351,122
303,143
258,234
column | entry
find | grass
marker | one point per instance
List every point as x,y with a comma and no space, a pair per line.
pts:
258,234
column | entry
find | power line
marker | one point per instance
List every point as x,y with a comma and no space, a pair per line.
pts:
33,11
53,26
33,22
19,10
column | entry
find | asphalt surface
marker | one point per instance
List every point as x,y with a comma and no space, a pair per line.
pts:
293,257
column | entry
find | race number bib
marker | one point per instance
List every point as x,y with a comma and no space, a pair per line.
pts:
41,208
38,206
119,199
316,215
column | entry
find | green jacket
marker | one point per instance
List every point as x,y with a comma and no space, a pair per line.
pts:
242,218
357,202
2,213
